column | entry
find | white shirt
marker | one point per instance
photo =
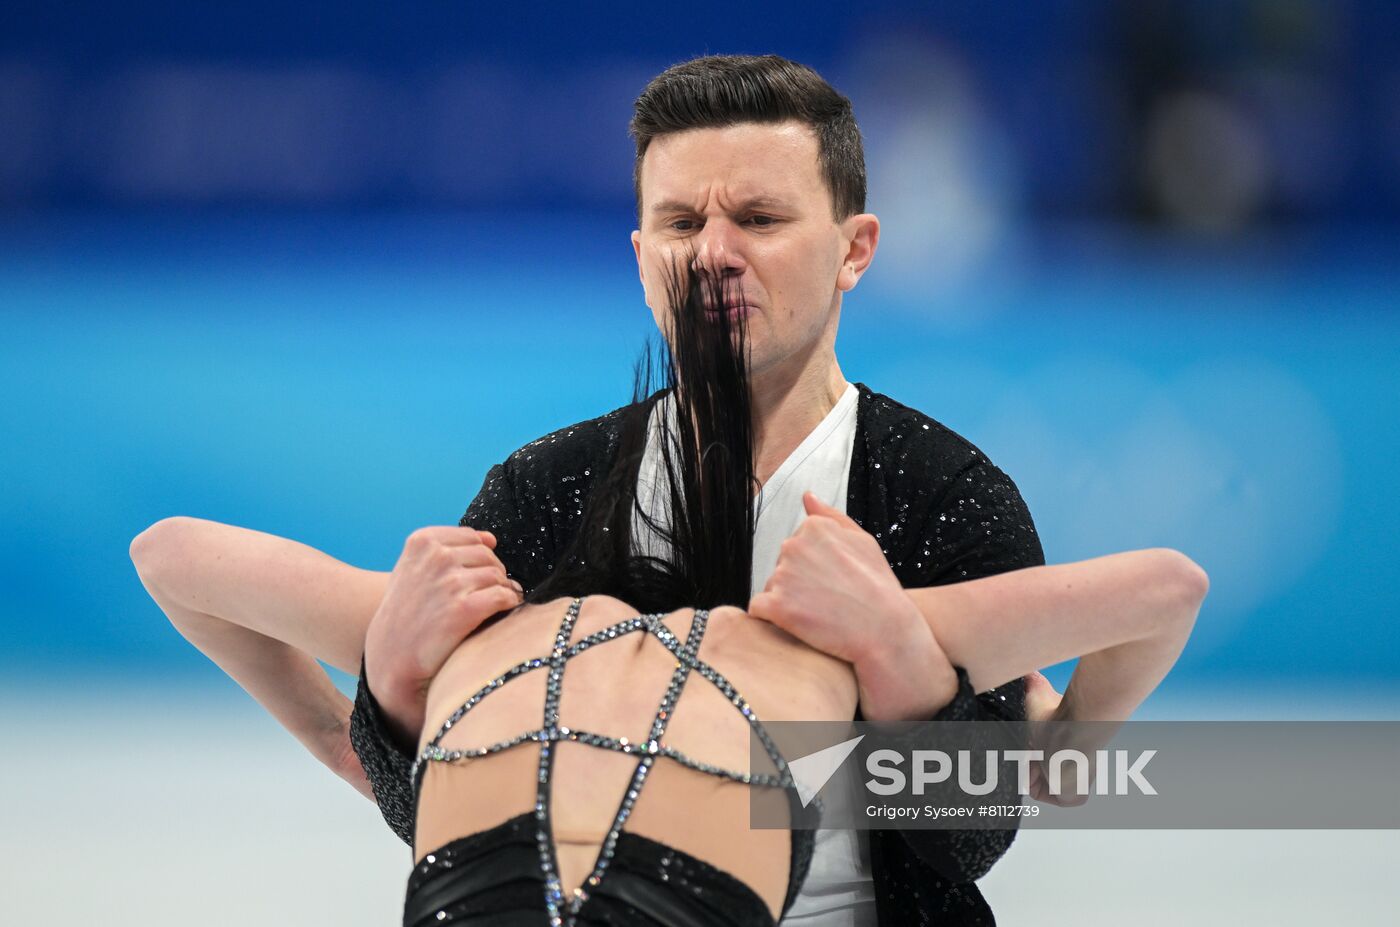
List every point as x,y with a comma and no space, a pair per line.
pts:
838,891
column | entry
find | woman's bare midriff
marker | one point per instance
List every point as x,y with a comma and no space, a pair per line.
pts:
615,689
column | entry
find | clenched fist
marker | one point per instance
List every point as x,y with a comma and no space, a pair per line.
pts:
832,587
834,590
447,581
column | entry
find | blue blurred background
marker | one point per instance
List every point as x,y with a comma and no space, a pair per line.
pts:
313,268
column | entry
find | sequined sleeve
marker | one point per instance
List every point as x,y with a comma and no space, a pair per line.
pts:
531,503
984,529
387,762
386,765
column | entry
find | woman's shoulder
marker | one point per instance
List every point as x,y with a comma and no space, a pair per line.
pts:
784,678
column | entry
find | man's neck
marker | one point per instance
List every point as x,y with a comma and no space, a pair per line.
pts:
787,406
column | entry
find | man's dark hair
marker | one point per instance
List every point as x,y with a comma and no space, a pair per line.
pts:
725,90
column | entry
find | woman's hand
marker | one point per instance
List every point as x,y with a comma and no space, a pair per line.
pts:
447,581
345,763
1042,701
1043,705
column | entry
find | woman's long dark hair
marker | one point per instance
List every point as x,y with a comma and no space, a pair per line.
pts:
706,463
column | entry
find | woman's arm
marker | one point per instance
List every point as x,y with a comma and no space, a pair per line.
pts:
277,587
1126,616
265,609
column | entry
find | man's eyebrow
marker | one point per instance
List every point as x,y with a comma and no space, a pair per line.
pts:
754,202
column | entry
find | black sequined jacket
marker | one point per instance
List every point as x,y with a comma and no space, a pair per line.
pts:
941,511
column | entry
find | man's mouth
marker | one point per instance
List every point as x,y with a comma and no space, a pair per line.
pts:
734,313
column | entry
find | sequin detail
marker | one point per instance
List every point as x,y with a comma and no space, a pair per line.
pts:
561,912
921,876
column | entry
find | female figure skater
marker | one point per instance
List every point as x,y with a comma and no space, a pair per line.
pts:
587,761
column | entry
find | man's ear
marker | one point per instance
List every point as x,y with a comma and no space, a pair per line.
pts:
637,250
862,235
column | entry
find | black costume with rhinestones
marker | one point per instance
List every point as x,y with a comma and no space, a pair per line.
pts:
942,513
509,874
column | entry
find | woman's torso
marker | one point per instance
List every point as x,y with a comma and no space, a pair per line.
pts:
615,689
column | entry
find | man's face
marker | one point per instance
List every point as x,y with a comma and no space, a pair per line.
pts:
748,201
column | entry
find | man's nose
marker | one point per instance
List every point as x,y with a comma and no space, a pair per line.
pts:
719,251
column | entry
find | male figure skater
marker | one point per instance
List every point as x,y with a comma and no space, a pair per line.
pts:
755,166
